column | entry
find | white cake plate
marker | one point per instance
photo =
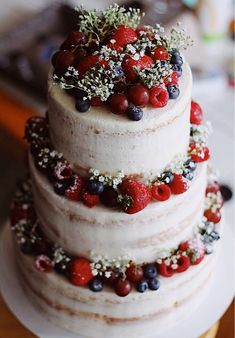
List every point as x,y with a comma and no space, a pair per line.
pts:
213,307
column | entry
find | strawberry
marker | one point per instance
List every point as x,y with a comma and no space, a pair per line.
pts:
183,263
124,35
128,65
213,187
74,192
172,79
80,271
214,217
196,115
88,62
90,200
43,263
184,246
179,184
199,152
163,269
160,53
161,192
136,196
96,101
115,46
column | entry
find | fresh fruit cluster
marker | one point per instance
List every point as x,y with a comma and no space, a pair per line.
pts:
134,66
130,195
80,271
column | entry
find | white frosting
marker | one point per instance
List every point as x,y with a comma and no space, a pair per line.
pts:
79,230
102,140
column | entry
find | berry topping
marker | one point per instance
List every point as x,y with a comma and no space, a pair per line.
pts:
173,91
213,187
136,196
150,271
60,187
188,174
153,284
18,213
211,216
80,271
96,102
190,165
87,63
179,184
128,65
134,273
96,285
124,36
177,68
158,97
109,197
196,115
172,79
112,279
73,192
184,246
142,285
138,95
226,192
62,60
134,113
183,263
118,103
176,59
161,192
74,38
90,200
164,269
63,171
95,187
83,105
166,177
122,287
43,263
160,53
199,152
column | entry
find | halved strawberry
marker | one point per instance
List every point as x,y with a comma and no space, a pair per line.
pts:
172,79
183,263
80,271
124,35
163,269
129,63
136,196
196,115
199,152
160,53
179,184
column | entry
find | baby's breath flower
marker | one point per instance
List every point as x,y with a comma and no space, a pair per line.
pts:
154,75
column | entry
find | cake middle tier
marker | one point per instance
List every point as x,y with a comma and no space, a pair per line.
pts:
161,226
108,142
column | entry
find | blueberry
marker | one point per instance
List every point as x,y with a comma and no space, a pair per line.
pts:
177,68
164,63
188,174
166,177
27,247
96,285
142,285
174,51
209,249
226,192
83,105
176,60
135,113
60,187
150,271
153,284
214,235
190,165
95,187
173,91
118,72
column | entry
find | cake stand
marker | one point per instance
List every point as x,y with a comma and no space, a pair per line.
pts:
203,317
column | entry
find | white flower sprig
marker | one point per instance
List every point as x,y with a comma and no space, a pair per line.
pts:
213,201
177,165
112,181
177,38
116,15
200,133
154,75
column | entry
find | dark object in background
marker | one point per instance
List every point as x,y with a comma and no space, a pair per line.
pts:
25,52
226,192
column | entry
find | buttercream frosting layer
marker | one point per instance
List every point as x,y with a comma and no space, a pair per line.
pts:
142,236
109,142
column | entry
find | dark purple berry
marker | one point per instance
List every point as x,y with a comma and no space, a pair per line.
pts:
150,271
83,105
176,59
95,187
153,284
142,285
226,192
109,197
96,285
173,91
177,68
134,113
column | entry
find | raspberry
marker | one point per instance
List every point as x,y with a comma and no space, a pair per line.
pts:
164,270
214,217
80,271
118,103
136,196
179,184
160,53
43,263
124,35
158,97
134,273
63,171
122,287
74,191
172,79
161,192
128,65
138,95
199,152
196,114
90,200
183,263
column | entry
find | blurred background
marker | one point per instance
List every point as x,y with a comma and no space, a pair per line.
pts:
30,31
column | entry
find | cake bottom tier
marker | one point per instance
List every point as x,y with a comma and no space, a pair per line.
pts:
99,315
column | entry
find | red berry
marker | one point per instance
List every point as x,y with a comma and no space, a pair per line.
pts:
214,188
90,200
136,196
179,184
43,263
112,279
199,152
184,246
118,103
160,53
18,213
80,271
128,65
183,263
161,192
124,35
74,192
164,270
196,114
158,97
122,287
74,38
115,46
138,95
172,79
214,217
62,60
63,171
109,197
86,63
134,273
96,102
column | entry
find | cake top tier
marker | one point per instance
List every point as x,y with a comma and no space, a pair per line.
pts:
112,61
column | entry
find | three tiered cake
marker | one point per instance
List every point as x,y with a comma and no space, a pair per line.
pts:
117,223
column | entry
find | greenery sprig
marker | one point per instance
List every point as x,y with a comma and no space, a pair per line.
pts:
154,75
